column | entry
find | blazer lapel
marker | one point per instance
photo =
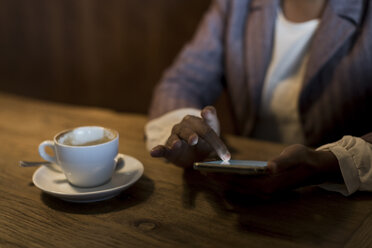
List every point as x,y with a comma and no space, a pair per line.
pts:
235,59
338,24
260,30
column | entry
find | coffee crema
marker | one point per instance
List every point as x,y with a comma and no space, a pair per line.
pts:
86,136
71,142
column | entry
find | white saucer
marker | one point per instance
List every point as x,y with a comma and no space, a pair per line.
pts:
56,184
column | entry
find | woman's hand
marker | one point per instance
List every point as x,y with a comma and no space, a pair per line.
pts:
193,139
296,166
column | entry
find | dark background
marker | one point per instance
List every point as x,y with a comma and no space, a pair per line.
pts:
106,53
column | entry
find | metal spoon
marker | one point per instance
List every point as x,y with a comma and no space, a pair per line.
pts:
119,164
31,164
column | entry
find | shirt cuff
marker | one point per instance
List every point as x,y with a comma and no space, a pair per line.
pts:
159,129
353,155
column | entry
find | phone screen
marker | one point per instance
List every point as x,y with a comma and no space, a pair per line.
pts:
251,167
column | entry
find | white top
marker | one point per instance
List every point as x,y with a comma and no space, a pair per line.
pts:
278,116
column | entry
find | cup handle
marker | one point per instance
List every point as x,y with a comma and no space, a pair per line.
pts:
46,156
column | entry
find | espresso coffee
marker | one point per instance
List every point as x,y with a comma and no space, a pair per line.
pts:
86,137
86,155
71,142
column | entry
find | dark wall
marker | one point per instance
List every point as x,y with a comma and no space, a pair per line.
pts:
107,53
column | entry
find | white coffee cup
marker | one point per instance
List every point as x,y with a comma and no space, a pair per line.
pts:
86,154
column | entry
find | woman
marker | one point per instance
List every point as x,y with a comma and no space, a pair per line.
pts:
296,72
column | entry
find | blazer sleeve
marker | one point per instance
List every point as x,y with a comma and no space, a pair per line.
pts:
195,78
354,156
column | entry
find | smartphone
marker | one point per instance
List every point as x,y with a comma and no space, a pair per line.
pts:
248,167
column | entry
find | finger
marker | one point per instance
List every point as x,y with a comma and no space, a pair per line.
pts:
209,135
188,135
209,115
216,143
272,166
176,153
184,133
163,151
290,157
173,142
158,151
280,164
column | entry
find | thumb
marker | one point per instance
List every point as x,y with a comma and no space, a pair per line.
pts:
291,156
209,115
280,163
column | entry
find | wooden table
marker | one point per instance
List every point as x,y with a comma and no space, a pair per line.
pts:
167,207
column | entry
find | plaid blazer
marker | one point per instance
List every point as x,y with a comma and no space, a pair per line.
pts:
232,50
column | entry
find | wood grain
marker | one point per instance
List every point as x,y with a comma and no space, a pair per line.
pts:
167,207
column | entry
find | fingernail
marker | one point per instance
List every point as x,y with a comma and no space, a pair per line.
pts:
193,140
176,144
226,157
272,167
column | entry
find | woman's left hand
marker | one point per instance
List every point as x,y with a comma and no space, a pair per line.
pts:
296,166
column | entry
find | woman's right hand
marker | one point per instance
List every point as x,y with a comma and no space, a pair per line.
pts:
193,139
